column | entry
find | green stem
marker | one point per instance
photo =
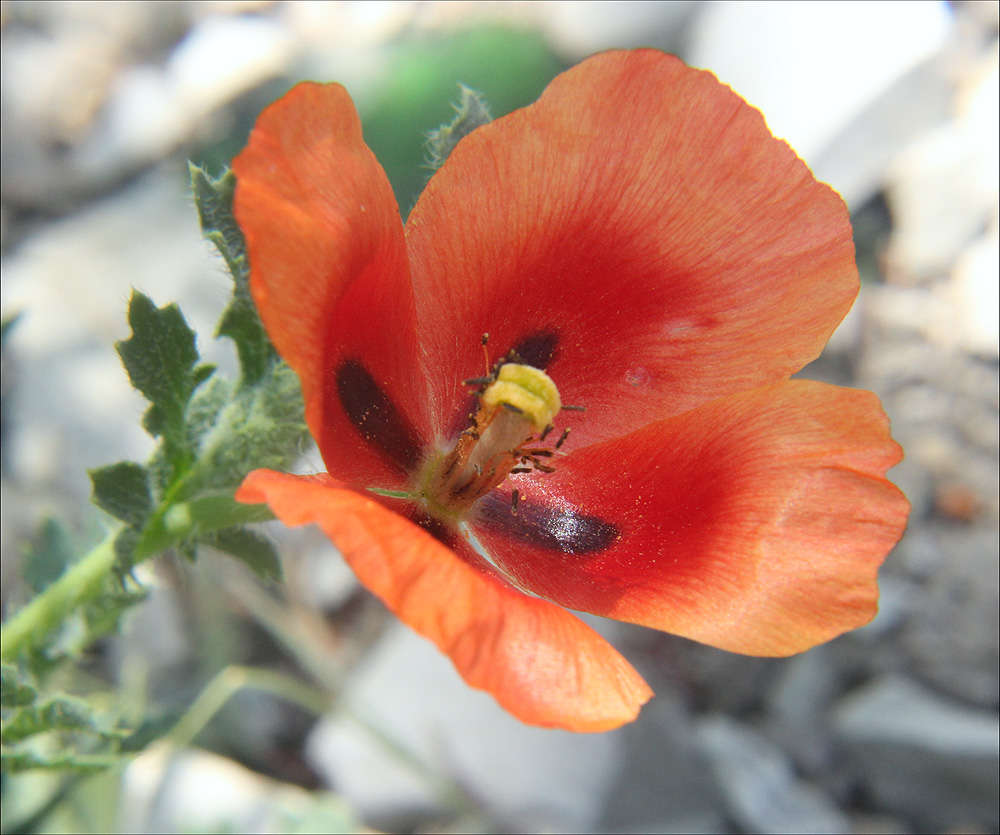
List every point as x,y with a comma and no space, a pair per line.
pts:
83,581
331,679
234,678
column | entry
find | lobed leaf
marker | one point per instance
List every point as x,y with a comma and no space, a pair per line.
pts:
239,322
160,359
123,490
257,551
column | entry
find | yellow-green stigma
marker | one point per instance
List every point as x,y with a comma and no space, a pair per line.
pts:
526,390
517,403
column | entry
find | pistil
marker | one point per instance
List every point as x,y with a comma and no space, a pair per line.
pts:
517,405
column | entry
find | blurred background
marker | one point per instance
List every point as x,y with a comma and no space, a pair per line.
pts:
890,729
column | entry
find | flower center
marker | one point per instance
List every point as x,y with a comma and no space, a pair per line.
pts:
517,404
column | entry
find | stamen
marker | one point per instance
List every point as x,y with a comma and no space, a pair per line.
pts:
515,498
562,438
518,402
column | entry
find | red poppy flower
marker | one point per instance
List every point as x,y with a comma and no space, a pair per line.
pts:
639,235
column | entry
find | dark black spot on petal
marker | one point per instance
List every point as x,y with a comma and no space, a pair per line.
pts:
546,526
538,350
442,532
376,417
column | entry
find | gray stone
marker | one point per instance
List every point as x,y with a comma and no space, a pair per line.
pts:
74,406
665,784
954,639
522,778
169,790
810,108
922,756
761,789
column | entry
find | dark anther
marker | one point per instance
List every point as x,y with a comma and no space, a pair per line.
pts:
544,468
477,381
562,438
515,498
486,338
510,407
375,416
517,470
545,432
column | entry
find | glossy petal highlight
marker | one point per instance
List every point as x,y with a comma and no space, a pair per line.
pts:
329,274
755,523
541,663
642,219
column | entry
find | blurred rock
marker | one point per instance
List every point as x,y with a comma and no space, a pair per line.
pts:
784,67
582,28
524,779
856,159
922,756
665,784
152,110
759,784
714,680
973,292
97,96
797,706
866,823
71,281
955,642
944,187
60,63
166,791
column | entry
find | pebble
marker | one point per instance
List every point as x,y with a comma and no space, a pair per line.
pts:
921,756
761,790
524,778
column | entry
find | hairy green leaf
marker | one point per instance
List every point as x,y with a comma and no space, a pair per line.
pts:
239,322
14,760
471,112
123,490
160,357
257,551
15,689
261,426
48,555
53,731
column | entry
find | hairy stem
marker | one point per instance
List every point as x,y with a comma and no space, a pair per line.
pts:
83,581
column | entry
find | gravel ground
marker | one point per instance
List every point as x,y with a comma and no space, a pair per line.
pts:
893,728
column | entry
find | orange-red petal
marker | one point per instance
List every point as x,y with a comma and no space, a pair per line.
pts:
755,523
639,224
329,274
540,662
